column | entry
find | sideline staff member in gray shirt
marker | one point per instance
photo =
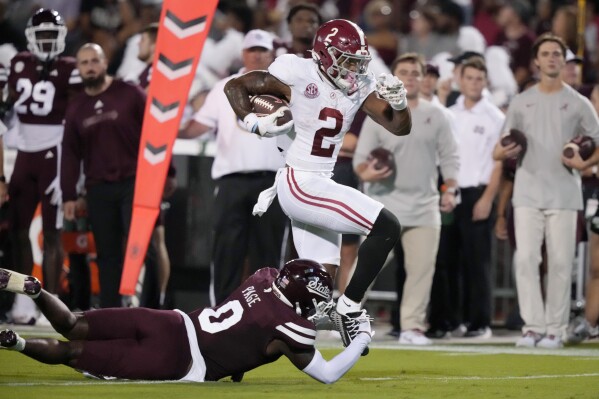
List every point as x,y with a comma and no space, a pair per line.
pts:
547,192
411,193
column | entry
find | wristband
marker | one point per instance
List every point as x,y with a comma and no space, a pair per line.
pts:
251,122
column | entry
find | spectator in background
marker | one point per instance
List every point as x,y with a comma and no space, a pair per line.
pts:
221,55
448,90
485,18
381,36
423,37
547,195
244,165
109,23
409,190
303,20
564,24
543,15
130,66
572,74
478,130
516,36
103,131
40,84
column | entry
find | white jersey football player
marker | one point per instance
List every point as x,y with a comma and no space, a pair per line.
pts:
324,95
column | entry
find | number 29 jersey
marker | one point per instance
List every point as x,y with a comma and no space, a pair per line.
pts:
233,336
322,114
40,104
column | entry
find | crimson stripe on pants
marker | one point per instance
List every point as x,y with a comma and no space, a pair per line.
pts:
339,211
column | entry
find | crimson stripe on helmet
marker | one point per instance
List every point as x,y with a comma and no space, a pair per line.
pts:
296,337
362,220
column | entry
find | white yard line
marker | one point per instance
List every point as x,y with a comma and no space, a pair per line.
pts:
452,350
476,378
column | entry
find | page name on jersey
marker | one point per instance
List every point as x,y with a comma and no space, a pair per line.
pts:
250,295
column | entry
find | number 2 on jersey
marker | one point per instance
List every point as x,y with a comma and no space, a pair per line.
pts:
42,95
317,148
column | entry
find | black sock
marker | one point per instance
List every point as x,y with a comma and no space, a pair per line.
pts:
373,254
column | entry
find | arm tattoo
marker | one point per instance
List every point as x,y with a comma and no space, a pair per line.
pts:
240,89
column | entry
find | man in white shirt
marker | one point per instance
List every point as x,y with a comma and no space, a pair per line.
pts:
478,130
244,165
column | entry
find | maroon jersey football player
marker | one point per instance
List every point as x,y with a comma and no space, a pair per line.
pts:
270,315
40,82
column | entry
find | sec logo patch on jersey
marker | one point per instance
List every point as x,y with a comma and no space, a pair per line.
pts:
311,91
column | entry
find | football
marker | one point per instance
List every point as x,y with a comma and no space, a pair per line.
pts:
583,144
384,158
514,136
266,104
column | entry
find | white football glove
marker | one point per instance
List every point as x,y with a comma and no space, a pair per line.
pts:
266,126
366,328
391,89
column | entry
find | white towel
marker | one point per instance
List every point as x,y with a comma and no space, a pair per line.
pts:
267,196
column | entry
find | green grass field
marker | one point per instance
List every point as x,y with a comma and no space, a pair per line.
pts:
481,371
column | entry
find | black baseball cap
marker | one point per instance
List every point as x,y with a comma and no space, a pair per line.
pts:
432,69
458,59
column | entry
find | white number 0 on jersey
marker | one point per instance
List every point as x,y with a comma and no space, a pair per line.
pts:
214,327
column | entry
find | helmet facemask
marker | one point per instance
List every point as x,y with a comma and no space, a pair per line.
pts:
347,70
46,40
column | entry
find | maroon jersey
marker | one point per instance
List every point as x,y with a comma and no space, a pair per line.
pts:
520,49
234,335
285,48
104,131
41,96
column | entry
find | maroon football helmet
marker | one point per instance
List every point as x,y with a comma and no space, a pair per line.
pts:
46,33
302,284
341,52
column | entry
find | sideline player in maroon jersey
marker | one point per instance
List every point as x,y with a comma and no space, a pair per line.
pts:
268,316
40,82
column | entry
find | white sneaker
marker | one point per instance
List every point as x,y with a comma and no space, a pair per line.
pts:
459,331
581,330
550,342
413,337
529,339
